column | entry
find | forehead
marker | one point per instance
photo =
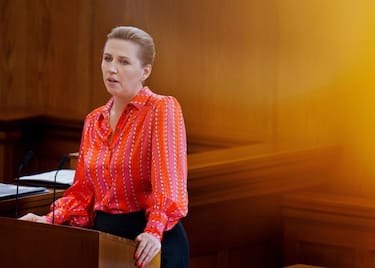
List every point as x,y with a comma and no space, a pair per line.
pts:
121,47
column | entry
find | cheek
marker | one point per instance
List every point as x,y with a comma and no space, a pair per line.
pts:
129,74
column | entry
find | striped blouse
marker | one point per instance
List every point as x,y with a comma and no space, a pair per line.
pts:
142,167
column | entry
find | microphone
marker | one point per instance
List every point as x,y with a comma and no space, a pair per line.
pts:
26,159
59,167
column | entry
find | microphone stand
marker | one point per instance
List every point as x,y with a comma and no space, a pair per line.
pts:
61,165
17,189
26,159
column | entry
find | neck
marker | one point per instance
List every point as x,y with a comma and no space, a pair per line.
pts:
120,103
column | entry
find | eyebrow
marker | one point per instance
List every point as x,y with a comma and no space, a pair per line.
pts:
124,58
120,57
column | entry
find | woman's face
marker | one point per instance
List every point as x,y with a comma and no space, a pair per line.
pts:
123,72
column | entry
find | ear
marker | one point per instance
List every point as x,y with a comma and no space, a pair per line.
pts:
146,71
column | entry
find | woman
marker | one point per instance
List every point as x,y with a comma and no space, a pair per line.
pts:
131,175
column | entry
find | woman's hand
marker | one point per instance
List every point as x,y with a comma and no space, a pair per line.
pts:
33,217
148,247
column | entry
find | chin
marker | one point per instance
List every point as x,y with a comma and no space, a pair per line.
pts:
111,91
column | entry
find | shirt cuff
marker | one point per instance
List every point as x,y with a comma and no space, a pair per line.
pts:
58,218
156,224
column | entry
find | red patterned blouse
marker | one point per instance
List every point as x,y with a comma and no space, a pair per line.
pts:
142,167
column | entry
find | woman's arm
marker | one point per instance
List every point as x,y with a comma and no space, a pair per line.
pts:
76,206
168,201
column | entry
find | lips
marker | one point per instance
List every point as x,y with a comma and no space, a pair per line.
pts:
112,80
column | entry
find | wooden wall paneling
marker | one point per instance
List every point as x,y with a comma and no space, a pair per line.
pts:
235,197
247,228
244,256
234,194
330,230
7,154
39,204
320,52
214,67
249,67
211,57
48,137
13,51
325,83
67,85
203,261
218,83
305,75
46,56
106,15
20,131
60,138
38,53
250,170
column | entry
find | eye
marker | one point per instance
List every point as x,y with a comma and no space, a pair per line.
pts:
124,62
107,58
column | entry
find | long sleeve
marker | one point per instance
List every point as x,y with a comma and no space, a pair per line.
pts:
76,206
168,201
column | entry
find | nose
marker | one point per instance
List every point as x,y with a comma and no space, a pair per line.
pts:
113,67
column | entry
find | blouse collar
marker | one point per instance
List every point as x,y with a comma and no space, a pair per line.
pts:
138,101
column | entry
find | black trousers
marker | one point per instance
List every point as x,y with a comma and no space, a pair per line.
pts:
174,245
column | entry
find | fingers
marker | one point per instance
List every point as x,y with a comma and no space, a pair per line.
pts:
147,255
41,219
148,247
32,217
28,217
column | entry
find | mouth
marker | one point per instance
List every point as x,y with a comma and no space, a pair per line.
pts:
112,80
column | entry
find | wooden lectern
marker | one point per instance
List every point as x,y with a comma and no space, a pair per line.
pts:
30,244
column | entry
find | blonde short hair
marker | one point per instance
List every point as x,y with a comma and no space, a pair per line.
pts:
145,42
